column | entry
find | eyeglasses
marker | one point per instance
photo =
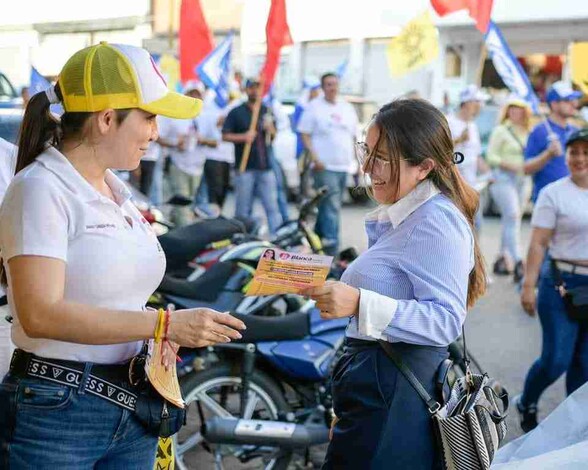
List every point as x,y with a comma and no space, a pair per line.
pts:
368,161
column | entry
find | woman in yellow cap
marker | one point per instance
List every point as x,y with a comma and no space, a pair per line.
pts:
80,262
505,154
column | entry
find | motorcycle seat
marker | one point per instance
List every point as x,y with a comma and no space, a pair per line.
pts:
183,244
206,287
287,327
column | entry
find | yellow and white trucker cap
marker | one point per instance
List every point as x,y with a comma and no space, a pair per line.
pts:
119,76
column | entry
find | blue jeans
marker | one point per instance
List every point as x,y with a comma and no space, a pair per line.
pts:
262,184
45,425
565,342
508,193
281,189
328,218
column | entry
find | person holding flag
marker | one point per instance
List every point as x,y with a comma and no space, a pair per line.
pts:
257,180
544,154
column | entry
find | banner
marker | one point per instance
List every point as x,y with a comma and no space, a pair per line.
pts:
195,38
579,65
214,71
277,35
479,10
415,46
509,68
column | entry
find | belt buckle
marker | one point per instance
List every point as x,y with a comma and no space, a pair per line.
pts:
135,377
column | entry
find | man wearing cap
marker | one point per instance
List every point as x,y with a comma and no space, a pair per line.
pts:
544,154
258,179
328,127
466,137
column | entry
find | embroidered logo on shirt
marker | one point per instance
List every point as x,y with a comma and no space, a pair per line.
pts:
99,226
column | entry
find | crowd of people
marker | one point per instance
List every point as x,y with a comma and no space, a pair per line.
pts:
68,228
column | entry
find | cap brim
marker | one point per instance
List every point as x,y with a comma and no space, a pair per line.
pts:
576,95
174,105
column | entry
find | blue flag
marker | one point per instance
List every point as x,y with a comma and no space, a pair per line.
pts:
342,68
214,71
38,83
509,68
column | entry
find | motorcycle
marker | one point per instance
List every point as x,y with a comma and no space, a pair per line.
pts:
265,397
223,284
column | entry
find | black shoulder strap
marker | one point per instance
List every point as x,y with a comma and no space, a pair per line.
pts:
432,404
509,129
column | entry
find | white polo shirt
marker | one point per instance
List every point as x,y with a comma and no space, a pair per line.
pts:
563,207
332,127
471,149
113,259
209,129
191,159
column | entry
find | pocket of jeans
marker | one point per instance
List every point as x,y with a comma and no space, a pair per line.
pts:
43,396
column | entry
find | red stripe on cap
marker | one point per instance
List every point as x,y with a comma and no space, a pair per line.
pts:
157,71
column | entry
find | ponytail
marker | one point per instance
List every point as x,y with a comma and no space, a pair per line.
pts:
38,128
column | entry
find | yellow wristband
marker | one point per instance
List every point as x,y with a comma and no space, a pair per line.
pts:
160,325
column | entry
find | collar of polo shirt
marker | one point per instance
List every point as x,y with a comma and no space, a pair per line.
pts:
55,161
396,213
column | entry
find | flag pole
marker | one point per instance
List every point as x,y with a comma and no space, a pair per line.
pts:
481,63
170,32
252,126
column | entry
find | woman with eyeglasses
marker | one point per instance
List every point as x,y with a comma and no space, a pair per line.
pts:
412,288
560,225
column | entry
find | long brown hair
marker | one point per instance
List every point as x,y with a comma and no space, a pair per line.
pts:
414,130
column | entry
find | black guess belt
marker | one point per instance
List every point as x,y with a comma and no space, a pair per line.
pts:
103,381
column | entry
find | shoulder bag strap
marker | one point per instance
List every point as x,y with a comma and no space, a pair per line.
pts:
511,132
432,404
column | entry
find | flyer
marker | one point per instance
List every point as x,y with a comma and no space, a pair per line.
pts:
282,272
164,381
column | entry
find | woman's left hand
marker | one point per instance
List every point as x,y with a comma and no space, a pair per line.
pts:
335,299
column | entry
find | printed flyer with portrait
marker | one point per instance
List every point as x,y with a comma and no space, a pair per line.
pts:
283,272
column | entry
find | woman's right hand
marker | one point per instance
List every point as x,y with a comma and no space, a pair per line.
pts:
529,300
200,327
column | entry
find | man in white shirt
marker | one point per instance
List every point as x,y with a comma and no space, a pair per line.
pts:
7,165
220,155
328,128
466,137
182,138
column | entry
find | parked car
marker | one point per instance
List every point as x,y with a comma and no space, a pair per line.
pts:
9,98
10,119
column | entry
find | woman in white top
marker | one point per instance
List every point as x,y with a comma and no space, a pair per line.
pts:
7,163
80,263
560,224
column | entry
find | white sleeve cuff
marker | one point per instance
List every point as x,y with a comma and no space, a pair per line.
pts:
375,313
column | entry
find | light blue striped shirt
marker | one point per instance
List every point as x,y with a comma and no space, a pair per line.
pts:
415,272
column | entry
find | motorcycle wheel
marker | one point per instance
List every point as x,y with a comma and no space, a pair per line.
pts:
218,389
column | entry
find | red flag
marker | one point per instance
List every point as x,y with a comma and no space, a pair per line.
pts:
479,10
195,38
277,35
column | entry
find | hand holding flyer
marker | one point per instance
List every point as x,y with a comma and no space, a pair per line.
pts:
164,380
282,272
